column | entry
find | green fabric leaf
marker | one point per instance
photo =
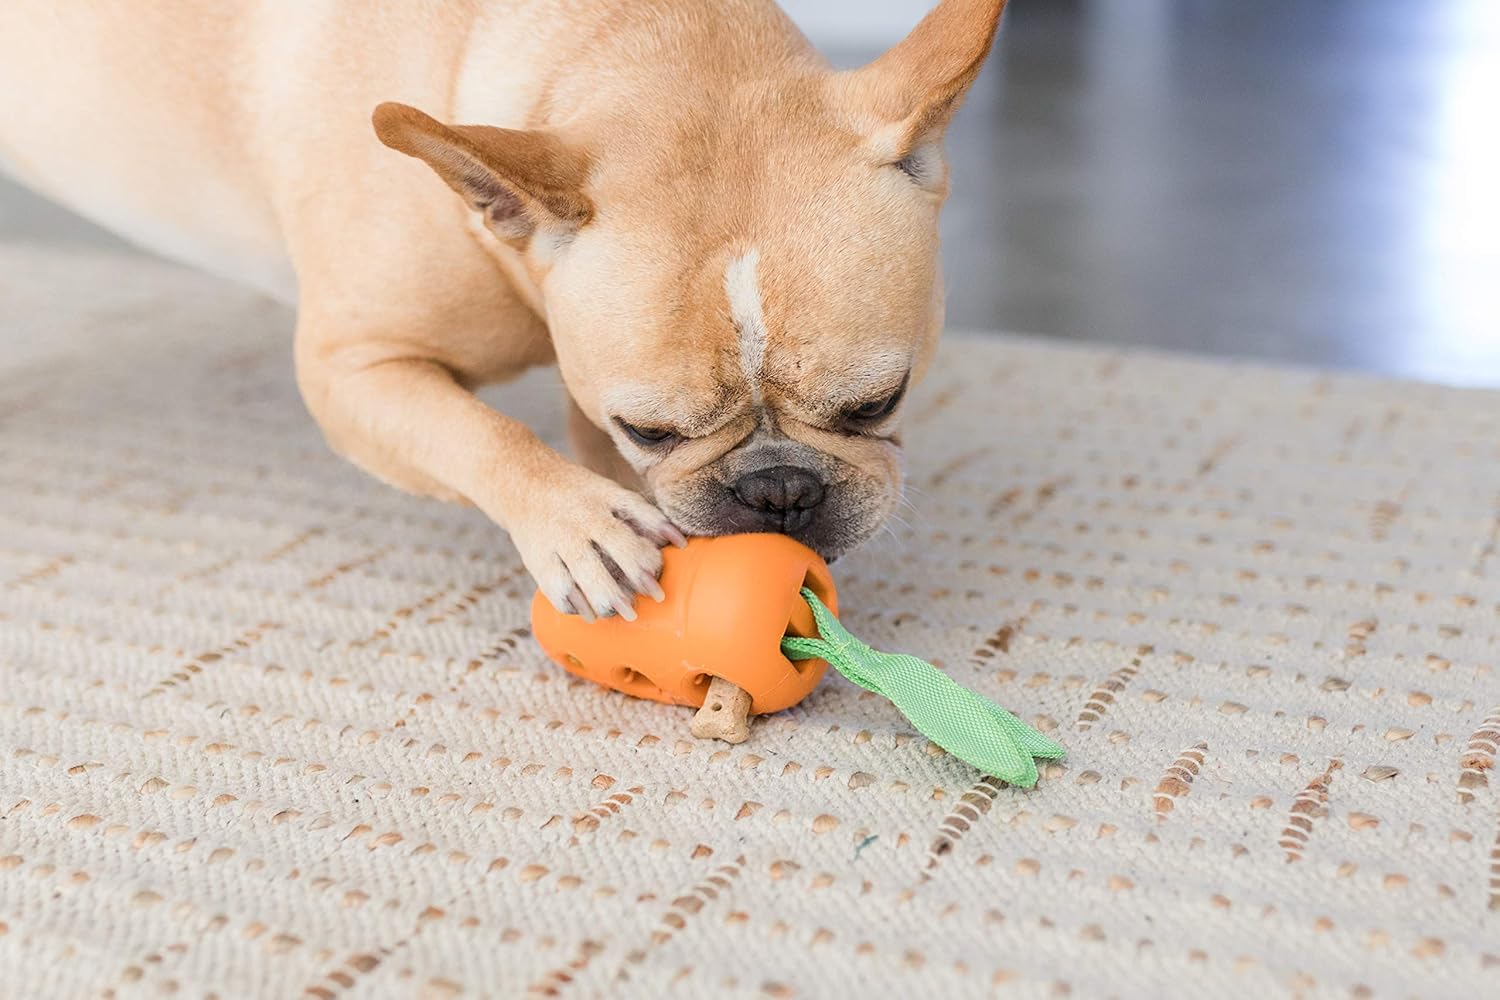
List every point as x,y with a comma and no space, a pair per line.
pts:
967,725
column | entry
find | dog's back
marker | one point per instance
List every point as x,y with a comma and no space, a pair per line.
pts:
196,129
95,118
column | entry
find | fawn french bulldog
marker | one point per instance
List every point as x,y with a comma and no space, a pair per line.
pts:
729,250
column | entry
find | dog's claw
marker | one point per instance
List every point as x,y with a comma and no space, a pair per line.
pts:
579,604
651,587
653,524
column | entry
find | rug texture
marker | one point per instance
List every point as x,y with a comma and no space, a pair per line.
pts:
271,729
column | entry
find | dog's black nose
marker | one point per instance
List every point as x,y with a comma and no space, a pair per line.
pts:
785,495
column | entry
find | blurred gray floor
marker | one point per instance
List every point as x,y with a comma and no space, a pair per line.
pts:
1315,181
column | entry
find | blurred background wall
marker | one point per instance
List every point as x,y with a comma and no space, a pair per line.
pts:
1312,181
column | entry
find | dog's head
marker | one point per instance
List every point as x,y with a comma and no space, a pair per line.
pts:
742,283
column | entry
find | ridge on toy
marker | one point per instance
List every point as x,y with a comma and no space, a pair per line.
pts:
748,626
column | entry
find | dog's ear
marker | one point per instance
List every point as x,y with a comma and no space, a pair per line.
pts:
519,180
914,89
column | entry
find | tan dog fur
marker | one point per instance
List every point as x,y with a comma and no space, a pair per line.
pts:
676,200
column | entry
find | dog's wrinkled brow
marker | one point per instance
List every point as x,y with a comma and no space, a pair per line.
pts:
876,377
657,406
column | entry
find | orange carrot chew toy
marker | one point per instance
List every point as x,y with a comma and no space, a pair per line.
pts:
730,602
749,626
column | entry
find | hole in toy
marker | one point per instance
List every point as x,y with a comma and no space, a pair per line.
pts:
819,587
718,707
801,624
633,682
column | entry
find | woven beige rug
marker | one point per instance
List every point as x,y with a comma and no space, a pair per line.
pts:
270,729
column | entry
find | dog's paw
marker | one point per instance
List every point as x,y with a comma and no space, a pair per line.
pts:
596,547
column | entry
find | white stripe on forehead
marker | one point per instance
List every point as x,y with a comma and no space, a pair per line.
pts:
742,284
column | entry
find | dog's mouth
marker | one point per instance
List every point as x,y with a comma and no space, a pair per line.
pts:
826,501
832,528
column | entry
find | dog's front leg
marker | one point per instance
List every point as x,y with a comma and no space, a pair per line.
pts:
590,544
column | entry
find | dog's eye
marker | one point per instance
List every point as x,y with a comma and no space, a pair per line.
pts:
875,408
921,165
909,166
648,437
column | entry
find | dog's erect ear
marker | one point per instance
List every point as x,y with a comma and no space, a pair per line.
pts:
915,88
519,180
